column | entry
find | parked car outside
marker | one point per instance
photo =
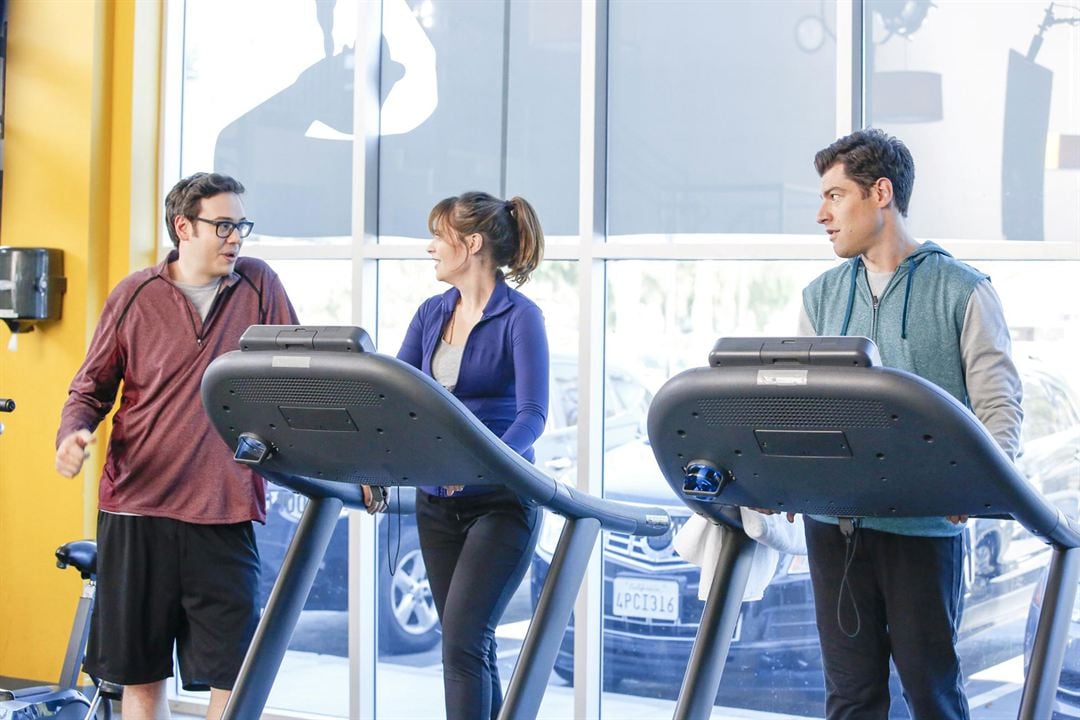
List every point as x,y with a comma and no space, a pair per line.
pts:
648,642
408,622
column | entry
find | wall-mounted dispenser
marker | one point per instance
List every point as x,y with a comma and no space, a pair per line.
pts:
31,283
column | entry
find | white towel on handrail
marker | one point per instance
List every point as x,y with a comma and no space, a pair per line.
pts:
699,541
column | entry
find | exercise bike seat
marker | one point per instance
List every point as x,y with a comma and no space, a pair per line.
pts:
79,554
110,690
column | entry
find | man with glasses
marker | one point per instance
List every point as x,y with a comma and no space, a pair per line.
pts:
177,562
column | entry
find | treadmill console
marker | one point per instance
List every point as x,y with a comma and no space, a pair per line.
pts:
741,351
301,337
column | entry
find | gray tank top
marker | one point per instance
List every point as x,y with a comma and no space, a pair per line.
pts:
446,364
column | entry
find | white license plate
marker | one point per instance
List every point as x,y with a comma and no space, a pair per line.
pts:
644,598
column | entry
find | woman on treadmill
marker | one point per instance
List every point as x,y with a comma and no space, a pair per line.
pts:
485,342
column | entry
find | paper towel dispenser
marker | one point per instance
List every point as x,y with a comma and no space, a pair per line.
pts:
31,283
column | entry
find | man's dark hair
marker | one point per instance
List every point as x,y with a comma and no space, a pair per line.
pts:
185,197
868,155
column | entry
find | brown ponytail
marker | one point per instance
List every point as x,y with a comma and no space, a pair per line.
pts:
513,238
530,244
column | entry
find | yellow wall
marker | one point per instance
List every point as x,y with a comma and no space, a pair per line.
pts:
68,164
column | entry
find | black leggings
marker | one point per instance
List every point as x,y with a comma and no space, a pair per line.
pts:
476,549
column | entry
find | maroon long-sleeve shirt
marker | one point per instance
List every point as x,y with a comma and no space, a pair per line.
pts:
164,458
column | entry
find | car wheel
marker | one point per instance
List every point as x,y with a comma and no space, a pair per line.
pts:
408,622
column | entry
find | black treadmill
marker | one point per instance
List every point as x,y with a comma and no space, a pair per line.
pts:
318,411
816,425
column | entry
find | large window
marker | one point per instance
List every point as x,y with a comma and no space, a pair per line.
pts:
667,147
272,108
994,126
704,97
478,95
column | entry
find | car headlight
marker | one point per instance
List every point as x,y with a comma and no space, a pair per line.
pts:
550,531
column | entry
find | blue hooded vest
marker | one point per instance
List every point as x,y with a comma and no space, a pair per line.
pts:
916,324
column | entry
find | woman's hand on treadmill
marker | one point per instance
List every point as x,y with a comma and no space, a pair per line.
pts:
957,519
374,499
451,489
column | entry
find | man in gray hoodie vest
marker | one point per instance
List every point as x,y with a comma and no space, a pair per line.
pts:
892,586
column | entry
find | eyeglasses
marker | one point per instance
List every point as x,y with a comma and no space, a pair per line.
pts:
225,228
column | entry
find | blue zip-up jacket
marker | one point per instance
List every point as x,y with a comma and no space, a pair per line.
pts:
504,366
916,324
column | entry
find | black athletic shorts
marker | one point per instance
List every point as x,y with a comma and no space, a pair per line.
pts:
163,582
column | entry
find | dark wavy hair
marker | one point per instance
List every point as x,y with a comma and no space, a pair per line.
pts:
185,196
868,155
512,234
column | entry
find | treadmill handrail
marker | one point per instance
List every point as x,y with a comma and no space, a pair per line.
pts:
511,469
893,387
